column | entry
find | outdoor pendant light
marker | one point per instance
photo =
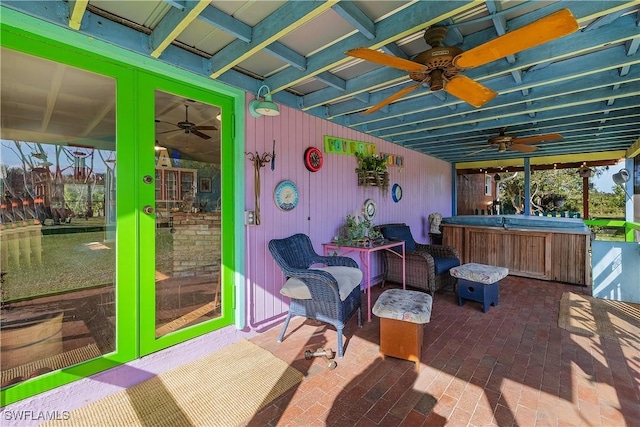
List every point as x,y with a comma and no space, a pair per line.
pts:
266,107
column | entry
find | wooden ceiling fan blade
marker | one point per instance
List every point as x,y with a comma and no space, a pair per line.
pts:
385,59
392,98
200,134
523,148
469,90
551,27
476,152
537,138
206,128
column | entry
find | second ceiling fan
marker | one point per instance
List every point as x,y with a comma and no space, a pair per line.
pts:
188,127
504,142
440,66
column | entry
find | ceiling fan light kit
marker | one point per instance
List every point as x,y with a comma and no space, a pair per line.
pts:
266,107
440,65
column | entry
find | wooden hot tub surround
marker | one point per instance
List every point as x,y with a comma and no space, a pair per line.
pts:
554,249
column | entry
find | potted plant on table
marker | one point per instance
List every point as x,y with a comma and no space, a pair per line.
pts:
358,231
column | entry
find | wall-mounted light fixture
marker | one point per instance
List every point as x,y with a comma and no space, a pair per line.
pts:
266,107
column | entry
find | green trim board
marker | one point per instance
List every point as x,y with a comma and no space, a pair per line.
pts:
629,226
132,71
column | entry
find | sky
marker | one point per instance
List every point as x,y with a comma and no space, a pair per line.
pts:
604,183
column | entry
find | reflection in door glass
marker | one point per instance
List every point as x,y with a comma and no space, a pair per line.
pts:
188,208
57,216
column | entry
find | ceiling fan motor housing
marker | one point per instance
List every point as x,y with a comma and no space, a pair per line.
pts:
436,59
439,58
500,139
186,125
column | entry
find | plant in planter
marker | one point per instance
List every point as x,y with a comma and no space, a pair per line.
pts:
357,231
372,171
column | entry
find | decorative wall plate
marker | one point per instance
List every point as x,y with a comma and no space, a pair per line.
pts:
313,159
286,195
369,209
396,192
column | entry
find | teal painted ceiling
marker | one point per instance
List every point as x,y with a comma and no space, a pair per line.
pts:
584,86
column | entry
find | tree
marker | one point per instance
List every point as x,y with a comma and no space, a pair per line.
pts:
557,190
607,205
551,190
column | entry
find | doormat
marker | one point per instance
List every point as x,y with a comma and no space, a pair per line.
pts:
588,316
225,388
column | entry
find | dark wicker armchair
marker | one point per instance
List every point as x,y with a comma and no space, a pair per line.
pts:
294,255
427,266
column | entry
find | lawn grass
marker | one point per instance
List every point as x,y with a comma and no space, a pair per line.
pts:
68,262
73,259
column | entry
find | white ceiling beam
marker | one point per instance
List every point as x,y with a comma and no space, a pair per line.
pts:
174,23
76,12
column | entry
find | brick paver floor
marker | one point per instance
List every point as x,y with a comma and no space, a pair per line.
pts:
512,366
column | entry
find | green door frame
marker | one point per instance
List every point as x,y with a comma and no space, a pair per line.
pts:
134,116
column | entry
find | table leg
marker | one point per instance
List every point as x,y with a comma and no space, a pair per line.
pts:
404,262
369,285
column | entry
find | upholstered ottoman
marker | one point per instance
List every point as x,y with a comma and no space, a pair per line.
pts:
478,282
402,316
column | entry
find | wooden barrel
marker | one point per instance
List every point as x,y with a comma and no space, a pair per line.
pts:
25,341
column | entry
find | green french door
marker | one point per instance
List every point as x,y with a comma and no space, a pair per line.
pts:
185,287
115,242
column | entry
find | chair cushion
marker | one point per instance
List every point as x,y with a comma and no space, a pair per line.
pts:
400,232
480,273
347,277
400,304
443,265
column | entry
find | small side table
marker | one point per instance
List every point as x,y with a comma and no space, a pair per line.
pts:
402,316
478,282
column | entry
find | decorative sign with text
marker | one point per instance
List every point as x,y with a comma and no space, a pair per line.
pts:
347,146
393,160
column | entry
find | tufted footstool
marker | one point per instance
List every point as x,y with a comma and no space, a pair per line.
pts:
478,282
402,316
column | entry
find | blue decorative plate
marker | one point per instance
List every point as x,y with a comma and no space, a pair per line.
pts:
396,192
286,195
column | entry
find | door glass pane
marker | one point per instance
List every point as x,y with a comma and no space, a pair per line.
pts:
57,217
188,233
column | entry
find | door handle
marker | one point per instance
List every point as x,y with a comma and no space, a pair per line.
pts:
148,209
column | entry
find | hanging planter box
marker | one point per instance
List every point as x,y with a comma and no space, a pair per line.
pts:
372,171
373,179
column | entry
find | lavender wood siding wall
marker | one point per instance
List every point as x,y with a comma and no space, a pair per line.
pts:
326,197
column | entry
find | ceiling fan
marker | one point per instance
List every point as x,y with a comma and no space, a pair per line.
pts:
440,66
506,142
188,127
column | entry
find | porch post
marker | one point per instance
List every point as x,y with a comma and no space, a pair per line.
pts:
585,197
527,186
454,190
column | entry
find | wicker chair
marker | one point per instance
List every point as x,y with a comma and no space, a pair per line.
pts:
294,255
427,266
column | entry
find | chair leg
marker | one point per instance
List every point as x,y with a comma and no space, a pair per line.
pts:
360,317
340,345
284,327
